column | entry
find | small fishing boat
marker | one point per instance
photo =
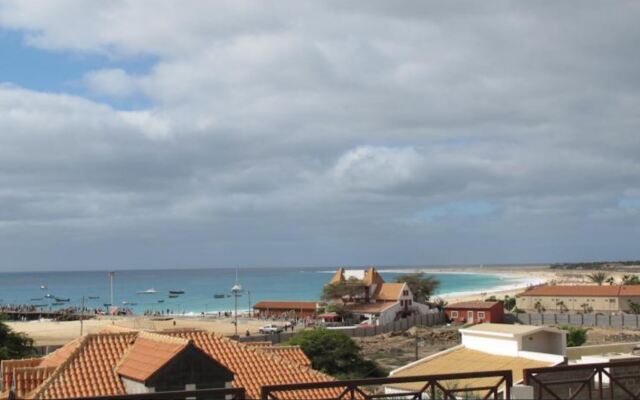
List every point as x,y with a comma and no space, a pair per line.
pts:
107,304
48,296
94,297
60,300
36,299
176,291
219,296
173,296
43,287
160,301
148,291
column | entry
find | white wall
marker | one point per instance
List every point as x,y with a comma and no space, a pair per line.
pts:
135,387
489,344
389,314
544,342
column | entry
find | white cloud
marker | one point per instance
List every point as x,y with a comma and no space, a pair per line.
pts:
329,125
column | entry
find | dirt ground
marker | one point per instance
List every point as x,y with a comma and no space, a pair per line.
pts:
603,336
393,350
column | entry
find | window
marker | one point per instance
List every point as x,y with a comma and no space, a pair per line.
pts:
454,314
402,302
405,292
480,314
410,302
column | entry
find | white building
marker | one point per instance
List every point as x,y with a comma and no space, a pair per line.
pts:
379,302
489,347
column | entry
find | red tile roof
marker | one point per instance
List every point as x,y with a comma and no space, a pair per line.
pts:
389,291
371,308
291,353
25,374
93,364
149,353
582,290
472,305
286,305
254,369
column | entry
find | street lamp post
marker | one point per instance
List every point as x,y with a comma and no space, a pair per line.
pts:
236,289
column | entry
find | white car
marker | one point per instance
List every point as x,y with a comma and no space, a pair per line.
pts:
270,329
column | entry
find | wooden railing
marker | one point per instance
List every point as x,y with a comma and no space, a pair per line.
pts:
612,380
433,386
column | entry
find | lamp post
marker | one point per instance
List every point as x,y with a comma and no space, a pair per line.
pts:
235,290
111,275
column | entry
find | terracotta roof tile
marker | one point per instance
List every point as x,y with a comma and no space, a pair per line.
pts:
258,344
90,369
254,368
473,305
149,353
291,353
371,276
60,355
26,373
389,291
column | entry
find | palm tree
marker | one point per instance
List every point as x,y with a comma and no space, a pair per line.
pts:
597,277
611,280
539,307
562,307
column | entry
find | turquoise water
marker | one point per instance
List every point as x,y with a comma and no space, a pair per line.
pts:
199,285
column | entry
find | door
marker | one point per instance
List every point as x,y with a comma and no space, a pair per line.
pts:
470,316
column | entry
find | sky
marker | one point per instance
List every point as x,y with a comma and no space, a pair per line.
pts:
178,134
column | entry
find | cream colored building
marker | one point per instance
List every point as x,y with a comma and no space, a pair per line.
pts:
579,298
488,347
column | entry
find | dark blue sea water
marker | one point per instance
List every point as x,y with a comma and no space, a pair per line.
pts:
199,285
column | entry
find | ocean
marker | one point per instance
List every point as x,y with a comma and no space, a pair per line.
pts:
200,285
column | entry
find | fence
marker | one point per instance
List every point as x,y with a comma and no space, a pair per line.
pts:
399,325
599,320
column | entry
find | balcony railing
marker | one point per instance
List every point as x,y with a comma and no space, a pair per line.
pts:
612,380
432,386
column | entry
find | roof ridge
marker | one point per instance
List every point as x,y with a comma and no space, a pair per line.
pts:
159,337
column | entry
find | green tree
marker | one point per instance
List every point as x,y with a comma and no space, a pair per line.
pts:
349,289
611,280
634,307
598,277
576,336
562,307
422,286
440,303
14,345
539,307
509,303
335,353
341,310
630,280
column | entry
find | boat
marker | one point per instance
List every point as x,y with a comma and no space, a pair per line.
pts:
43,287
36,299
173,296
48,296
60,300
107,304
219,296
176,291
57,303
160,301
94,297
148,291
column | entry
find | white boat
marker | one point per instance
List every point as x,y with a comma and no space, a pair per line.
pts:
148,291
43,287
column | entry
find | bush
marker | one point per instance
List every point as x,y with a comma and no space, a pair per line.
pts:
336,354
576,336
14,345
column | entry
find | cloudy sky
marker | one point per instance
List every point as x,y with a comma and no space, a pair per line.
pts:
142,134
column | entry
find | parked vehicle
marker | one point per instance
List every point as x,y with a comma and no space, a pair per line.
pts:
270,329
